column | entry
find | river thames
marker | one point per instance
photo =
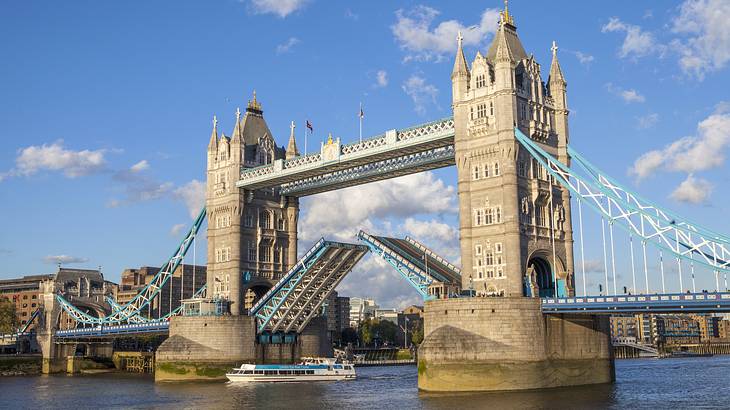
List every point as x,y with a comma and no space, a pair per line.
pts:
640,383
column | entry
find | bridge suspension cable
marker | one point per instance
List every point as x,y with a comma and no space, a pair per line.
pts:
635,215
147,294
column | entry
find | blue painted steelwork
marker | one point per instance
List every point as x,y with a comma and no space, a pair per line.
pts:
113,330
141,319
143,298
664,303
404,266
27,324
296,298
624,208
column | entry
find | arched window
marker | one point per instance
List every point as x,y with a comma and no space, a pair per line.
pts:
264,220
496,169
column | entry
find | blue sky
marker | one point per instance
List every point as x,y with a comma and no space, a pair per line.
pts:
106,107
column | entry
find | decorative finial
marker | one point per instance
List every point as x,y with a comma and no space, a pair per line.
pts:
291,127
459,38
238,114
505,16
215,122
329,139
253,104
554,49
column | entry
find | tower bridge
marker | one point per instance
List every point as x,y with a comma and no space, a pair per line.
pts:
509,318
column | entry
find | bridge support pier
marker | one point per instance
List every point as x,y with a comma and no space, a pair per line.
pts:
499,344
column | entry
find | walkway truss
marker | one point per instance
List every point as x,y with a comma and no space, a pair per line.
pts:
395,153
416,263
298,296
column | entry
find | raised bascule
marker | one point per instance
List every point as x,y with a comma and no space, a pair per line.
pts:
510,318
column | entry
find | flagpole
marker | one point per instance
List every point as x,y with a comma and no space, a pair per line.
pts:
360,115
305,136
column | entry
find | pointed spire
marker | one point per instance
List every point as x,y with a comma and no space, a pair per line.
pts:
555,72
291,149
460,66
254,105
503,51
237,136
214,135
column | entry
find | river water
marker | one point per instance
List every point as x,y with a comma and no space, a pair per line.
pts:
640,383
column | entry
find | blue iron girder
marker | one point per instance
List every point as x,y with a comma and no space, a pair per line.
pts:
143,298
411,273
604,197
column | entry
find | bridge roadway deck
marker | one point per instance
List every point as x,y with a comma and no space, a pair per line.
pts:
714,302
436,267
395,153
706,302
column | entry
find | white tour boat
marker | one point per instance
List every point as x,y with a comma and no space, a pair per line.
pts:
311,369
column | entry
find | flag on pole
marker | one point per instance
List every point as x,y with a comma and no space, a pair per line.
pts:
362,113
309,126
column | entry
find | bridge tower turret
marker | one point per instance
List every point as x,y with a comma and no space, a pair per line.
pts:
514,221
252,235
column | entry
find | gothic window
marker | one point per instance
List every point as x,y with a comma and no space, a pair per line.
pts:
496,169
478,250
481,81
488,258
522,169
491,108
251,252
500,272
280,224
277,255
481,110
480,274
264,220
498,214
540,216
479,217
498,247
486,170
471,113
476,171
248,221
490,273
523,112
264,252
488,219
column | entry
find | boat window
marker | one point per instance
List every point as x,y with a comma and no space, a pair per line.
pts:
310,371
259,372
269,371
247,372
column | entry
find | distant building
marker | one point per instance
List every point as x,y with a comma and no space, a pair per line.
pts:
723,329
709,326
411,318
24,292
185,281
390,315
338,316
624,327
73,283
677,329
361,309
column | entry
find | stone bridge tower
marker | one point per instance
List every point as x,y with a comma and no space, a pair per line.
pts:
515,224
252,235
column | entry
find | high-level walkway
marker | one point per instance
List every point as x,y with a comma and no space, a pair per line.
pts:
395,153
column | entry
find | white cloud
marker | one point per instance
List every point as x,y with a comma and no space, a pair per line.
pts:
414,34
690,154
55,157
281,8
140,166
629,96
692,190
421,92
193,195
177,229
707,47
430,229
583,58
339,215
64,259
381,78
637,43
286,47
647,121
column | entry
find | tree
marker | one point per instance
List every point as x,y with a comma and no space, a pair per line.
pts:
8,317
417,335
366,332
349,335
387,331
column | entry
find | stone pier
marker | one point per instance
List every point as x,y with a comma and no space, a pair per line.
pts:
500,344
206,347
